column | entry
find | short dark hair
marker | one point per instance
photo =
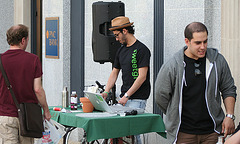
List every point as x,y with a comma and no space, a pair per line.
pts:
130,29
16,33
194,27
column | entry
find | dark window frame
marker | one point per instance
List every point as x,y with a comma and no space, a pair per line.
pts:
77,46
158,54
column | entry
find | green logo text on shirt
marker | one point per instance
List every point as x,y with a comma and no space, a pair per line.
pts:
134,64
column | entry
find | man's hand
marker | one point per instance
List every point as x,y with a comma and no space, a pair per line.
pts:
47,115
104,95
123,100
228,126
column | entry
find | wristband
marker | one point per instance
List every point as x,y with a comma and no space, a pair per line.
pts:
126,95
106,92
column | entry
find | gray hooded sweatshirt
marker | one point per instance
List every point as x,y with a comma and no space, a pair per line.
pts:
169,87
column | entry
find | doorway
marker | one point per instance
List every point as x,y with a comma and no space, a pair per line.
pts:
36,28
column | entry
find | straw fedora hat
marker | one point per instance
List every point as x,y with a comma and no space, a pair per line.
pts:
120,22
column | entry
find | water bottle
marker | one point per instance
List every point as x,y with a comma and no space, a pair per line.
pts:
65,99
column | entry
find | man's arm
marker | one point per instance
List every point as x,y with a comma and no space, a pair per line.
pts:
228,91
228,126
164,86
136,85
111,81
40,93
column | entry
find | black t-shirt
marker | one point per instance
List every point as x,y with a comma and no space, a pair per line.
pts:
129,60
195,117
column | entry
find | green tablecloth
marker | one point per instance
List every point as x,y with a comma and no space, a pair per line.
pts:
112,127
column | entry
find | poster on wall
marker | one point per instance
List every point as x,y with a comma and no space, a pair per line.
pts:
52,37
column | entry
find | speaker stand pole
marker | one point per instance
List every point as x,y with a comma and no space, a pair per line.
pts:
114,92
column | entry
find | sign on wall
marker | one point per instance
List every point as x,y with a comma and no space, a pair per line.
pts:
52,37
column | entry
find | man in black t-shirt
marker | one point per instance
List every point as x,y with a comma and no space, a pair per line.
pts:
133,58
190,87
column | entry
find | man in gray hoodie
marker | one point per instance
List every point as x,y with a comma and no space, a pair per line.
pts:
188,89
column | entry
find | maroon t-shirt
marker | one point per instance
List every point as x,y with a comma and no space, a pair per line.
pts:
21,68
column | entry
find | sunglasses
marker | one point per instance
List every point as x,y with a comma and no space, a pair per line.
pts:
197,70
116,35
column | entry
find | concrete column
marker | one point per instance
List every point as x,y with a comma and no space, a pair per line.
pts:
22,15
230,42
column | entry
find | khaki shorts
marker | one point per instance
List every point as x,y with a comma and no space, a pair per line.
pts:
9,132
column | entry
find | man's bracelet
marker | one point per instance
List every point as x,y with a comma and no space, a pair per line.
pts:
230,116
106,92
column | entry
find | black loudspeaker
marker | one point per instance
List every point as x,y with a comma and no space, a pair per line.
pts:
104,44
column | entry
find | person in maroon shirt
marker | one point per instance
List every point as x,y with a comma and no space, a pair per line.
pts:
24,72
